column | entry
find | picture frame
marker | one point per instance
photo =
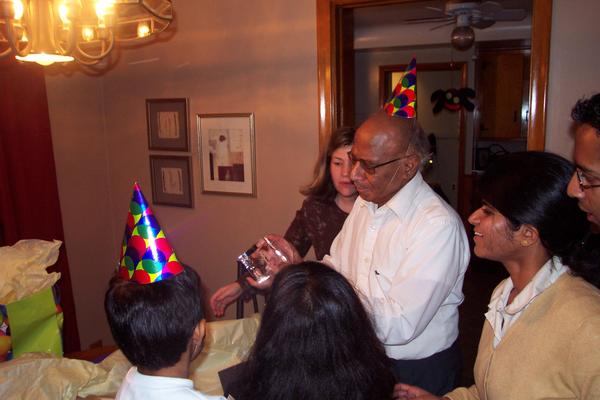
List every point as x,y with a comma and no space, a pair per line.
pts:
167,121
171,178
227,153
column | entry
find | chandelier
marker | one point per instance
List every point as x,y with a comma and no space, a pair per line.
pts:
49,31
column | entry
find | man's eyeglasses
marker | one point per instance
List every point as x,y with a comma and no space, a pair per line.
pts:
581,178
371,169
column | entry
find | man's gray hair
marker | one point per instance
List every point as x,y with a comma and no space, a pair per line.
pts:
418,142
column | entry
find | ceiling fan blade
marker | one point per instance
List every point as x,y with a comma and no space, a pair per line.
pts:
510,14
490,7
427,19
434,9
442,25
483,23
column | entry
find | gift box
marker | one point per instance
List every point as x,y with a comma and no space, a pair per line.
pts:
31,317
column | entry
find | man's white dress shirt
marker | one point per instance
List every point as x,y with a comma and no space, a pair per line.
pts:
407,258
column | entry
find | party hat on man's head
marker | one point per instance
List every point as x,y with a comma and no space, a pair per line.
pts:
403,102
146,255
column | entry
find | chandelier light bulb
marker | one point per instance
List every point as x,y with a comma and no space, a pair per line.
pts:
143,29
104,8
63,13
87,33
18,9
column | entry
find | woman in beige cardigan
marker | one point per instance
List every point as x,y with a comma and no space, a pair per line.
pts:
541,336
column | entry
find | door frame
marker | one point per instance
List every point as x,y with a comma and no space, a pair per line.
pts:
332,27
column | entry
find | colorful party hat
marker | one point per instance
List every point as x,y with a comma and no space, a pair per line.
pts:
403,102
146,255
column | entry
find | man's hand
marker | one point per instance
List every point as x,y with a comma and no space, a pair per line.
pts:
225,296
285,251
403,391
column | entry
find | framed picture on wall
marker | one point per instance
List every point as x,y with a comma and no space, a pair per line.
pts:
171,181
167,124
227,153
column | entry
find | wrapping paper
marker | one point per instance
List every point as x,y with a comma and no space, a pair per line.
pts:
44,377
23,268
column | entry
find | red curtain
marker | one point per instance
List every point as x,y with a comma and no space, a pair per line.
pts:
29,203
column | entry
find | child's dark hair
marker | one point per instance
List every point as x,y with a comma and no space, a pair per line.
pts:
316,341
152,324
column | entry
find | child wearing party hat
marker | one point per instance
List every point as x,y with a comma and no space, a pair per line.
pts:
154,309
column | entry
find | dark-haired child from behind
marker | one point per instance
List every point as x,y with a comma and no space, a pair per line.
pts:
154,310
160,329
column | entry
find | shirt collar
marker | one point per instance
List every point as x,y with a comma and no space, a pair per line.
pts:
401,201
543,279
502,316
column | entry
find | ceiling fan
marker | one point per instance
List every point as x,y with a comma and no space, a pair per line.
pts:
468,14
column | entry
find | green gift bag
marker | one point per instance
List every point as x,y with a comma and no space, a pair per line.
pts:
35,324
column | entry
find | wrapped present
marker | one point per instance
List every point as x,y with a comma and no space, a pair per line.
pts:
29,307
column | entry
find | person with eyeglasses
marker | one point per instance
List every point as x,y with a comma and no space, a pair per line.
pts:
585,184
405,250
541,333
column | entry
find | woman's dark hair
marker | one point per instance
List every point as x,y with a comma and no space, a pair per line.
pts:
316,341
531,188
152,324
587,111
322,185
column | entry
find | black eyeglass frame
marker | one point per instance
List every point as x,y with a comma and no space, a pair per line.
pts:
580,180
372,169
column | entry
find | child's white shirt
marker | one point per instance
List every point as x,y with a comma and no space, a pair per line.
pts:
137,386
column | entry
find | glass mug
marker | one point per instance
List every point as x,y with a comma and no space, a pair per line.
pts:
260,262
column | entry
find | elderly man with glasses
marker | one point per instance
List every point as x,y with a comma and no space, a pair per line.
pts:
585,185
406,251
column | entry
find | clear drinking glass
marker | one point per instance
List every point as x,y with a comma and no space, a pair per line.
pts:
261,263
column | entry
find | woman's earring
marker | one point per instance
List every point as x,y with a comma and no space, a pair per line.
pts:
524,243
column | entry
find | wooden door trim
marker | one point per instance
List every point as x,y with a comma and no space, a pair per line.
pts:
328,74
538,76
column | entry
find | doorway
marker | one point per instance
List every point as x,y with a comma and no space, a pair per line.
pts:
336,67
334,30
445,128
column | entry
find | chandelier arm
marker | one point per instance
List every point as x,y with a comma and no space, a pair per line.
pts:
10,36
70,41
137,39
9,49
152,11
86,62
111,45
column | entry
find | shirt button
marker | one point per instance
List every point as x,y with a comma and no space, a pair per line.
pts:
372,227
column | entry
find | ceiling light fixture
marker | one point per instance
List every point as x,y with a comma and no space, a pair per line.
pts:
49,31
462,37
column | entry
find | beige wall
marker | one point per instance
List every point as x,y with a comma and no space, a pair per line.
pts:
226,56
574,71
